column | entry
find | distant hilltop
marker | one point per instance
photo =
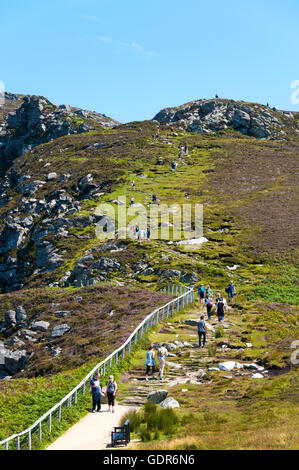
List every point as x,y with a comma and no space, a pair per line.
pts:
212,115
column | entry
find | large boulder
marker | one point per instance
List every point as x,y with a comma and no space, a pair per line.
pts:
169,402
12,362
157,396
60,330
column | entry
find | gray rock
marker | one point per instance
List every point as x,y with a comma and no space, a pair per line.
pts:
40,325
62,313
169,402
60,330
189,278
12,361
10,317
20,314
157,396
171,274
52,176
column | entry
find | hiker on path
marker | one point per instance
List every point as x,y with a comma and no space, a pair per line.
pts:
230,289
139,233
181,152
220,308
218,298
96,393
202,331
201,294
132,201
148,234
209,292
111,393
154,198
133,185
186,148
150,361
209,304
162,354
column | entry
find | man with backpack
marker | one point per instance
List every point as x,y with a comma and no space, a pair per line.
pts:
201,293
162,354
202,331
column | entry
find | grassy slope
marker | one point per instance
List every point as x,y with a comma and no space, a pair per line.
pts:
247,188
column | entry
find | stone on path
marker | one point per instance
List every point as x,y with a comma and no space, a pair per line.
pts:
229,365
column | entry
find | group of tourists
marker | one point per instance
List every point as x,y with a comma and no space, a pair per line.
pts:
97,393
142,234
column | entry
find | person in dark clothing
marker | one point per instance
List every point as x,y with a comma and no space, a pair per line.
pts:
96,393
111,393
220,307
230,290
202,330
209,305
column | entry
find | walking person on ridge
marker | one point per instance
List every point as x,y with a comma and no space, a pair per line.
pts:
201,294
209,304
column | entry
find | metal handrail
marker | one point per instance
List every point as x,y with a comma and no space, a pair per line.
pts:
151,319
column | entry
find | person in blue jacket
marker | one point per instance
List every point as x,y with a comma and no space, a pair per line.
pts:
230,290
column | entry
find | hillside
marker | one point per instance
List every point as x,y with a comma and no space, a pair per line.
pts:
53,184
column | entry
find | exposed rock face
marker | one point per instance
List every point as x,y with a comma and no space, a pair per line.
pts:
206,116
60,330
37,121
11,361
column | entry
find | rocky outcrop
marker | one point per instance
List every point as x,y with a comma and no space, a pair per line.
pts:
37,121
207,116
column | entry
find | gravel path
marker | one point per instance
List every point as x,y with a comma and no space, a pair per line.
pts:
93,432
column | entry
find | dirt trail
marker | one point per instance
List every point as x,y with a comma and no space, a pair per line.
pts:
93,432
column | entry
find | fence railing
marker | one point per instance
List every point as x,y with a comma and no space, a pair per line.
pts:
184,296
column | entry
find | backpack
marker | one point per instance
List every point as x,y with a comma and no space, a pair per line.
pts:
161,352
210,303
227,289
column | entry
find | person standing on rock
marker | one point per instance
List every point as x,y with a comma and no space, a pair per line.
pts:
96,393
202,331
150,361
162,354
111,393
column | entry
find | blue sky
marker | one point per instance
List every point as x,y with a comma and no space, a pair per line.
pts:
129,59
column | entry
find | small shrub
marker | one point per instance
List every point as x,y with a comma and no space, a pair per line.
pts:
219,332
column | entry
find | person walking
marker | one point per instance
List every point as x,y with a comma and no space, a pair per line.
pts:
96,392
132,201
162,354
201,293
230,289
220,308
186,148
181,152
133,185
202,331
209,292
148,234
150,361
209,305
111,393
